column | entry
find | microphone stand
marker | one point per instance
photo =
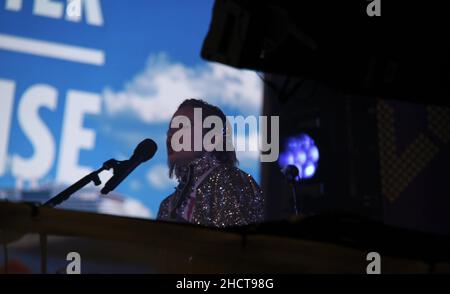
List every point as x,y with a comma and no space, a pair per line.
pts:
92,177
291,173
294,196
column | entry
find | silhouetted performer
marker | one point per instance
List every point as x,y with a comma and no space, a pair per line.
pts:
212,191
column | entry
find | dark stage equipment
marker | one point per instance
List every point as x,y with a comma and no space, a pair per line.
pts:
371,91
403,54
322,244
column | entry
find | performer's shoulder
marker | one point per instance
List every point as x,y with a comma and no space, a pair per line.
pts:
163,211
166,200
226,171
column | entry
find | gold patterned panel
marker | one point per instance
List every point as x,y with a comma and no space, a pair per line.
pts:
398,170
439,122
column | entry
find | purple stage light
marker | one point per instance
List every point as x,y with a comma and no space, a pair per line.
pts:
302,152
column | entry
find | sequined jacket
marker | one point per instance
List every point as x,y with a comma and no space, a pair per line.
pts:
217,195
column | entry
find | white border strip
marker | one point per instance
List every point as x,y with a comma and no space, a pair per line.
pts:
52,50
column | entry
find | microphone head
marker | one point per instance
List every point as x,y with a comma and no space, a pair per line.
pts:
145,150
291,172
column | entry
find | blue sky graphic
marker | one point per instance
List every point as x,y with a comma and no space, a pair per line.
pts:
152,63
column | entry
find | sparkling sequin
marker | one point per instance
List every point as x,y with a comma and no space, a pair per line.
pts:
227,196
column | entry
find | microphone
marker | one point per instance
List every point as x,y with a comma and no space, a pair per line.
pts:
143,152
291,173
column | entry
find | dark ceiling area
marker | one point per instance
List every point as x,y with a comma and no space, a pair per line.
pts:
403,54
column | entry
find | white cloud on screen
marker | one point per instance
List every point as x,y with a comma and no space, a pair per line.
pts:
129,207
134,208
154,94
158,177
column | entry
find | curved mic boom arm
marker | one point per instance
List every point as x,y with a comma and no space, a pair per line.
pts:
92,177
143,152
